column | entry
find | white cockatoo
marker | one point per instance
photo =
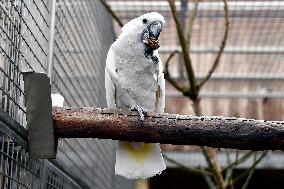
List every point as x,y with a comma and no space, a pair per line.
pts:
134,79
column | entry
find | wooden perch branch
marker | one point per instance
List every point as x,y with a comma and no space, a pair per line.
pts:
220,132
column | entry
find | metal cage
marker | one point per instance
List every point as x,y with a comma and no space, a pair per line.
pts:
74,37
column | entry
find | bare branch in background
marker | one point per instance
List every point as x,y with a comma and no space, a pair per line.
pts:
193,91
191,20
184,46
187,168
108,8
223,44
229,172
168,75
239,161
216,169
209,182
230,184
248,171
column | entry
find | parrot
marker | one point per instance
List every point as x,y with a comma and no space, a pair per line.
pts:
134,80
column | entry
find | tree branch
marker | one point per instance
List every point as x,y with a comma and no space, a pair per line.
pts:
191,20
223,44
216,169
250,173
239,161
217,132
240,177
187,168
184,46
228,172
209,182
111,12
168,76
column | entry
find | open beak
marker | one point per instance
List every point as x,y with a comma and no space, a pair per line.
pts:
155,29
151,36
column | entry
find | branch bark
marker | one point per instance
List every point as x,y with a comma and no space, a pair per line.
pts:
185,50
168,76
218,177
245,173
191,20
187,168
219,132
239,161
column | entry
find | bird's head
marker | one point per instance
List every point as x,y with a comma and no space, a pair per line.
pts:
146,29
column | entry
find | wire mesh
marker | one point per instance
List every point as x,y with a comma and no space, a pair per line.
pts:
81,42
83,34
56,179
16,170
23,39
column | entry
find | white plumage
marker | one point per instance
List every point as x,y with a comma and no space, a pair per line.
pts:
134,76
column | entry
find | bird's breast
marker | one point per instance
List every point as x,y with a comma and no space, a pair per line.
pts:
141,86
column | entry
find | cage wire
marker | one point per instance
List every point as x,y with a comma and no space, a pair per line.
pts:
83,34
250,70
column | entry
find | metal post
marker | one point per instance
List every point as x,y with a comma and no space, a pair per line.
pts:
51,40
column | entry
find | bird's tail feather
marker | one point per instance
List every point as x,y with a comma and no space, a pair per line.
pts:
138,160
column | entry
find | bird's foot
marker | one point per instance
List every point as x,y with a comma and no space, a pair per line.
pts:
142,113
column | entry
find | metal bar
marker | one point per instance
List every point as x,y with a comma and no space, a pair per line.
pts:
227,50
40,131
51,41
13,124
12,133
221,132
53,164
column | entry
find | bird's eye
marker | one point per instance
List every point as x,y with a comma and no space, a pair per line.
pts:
144,20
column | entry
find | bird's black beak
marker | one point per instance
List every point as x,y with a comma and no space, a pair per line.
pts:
150,36
155,29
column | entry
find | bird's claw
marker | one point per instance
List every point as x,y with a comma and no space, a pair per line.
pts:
142,113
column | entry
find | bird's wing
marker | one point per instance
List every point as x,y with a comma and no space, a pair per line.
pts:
160,93
110,77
